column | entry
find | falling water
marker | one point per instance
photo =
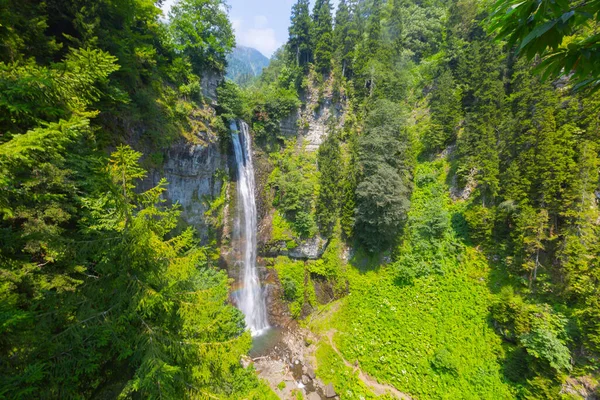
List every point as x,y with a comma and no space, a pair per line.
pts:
250,298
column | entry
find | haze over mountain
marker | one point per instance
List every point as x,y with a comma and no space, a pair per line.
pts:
244,64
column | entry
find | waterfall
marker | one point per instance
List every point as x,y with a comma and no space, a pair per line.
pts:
250,299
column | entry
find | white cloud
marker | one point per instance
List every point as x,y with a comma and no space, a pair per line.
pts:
258,36
260,21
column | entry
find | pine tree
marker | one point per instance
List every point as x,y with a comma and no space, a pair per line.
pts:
483,97
345,37
328,199
300,40
445,108
383,191
396,25
322,35
373,40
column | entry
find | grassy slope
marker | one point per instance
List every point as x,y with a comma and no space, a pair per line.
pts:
430,337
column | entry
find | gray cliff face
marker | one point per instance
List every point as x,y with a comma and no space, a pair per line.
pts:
310,123
190,170
209,83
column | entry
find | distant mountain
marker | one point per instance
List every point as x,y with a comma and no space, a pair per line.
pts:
244,64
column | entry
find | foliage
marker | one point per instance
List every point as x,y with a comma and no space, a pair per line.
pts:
297,287
294,180
564,34
70,332
300,31
331,266
332,370
30,93
201,31
102,294
329,160
322,35
445,113
429,338
519,156
383,193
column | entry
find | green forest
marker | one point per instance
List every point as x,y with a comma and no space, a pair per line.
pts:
445,155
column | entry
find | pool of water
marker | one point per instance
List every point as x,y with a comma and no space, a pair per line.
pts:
265,343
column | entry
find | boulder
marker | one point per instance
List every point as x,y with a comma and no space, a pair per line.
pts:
311,373
305,379
329,391
310,249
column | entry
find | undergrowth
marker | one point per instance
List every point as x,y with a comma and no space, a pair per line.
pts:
422,324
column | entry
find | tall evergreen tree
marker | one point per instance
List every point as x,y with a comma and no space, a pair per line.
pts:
322,35
300,42
345,37
374,27
383,192
480,68
445,108
328,199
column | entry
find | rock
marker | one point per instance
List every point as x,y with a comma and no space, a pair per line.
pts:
209,83
305,379
310,249
311,373
313,396
191,170
246,361
329,391
304,369
289,125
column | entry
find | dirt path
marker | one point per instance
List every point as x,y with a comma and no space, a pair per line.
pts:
377,388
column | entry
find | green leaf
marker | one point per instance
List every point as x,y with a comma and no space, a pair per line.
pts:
536,33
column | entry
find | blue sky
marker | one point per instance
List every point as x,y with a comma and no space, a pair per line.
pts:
262,24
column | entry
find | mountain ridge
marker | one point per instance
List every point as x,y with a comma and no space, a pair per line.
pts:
244,64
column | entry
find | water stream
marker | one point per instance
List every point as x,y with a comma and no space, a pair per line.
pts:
250,298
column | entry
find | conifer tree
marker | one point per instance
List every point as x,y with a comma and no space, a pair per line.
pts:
396,25
328,199
322,35
374,27
480,68
300,41
383,191
445,108
345,37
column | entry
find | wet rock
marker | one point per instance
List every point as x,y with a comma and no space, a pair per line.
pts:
311,373
329,391
305,379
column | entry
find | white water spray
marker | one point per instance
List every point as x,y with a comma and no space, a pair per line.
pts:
250,298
